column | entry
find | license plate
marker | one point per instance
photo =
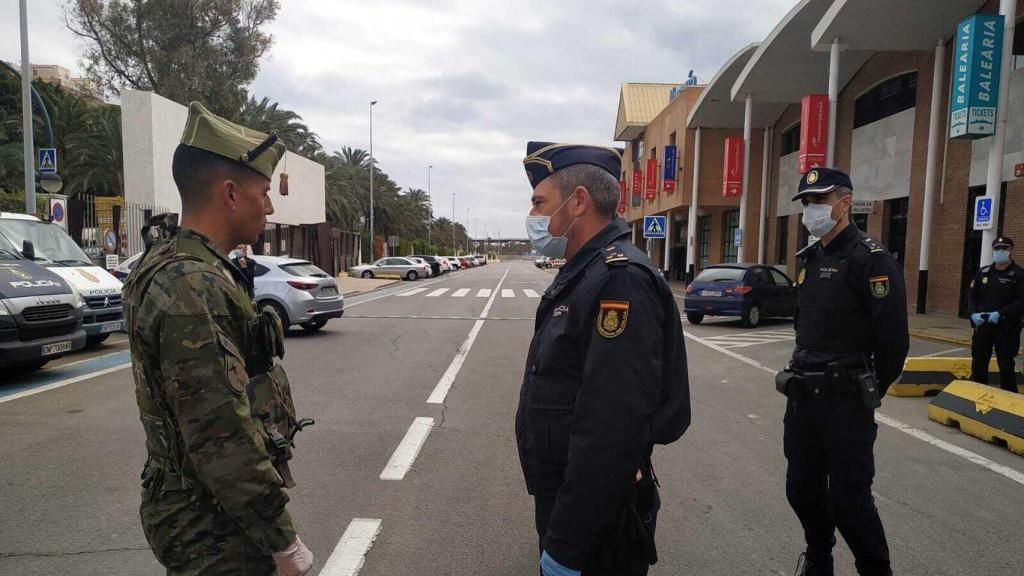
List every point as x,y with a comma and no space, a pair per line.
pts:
110,327
56,348
329,291
710,292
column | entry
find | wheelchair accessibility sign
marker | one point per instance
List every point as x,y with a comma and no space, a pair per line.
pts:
983,213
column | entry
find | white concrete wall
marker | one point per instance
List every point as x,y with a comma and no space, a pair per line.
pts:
151,128
881,156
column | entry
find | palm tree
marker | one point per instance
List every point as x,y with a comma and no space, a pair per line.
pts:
267,116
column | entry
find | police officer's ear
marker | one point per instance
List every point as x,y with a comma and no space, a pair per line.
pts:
579,202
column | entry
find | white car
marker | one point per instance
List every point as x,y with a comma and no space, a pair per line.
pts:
422,262
453,262
300,292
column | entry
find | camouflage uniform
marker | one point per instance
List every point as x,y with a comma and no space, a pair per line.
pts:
212,501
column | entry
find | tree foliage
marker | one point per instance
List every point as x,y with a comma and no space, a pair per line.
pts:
206,50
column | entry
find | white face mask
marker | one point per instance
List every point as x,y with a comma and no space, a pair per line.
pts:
543,242
818,219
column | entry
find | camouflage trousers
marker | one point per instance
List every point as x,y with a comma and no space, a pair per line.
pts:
191,536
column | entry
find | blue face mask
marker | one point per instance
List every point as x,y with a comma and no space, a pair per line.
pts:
1000,256
543,242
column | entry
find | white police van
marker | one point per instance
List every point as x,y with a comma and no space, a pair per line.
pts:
40,314
54,249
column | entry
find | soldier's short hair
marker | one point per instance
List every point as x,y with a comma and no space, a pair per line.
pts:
196,170
603,187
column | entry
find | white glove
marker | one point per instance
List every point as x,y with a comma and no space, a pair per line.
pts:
295,560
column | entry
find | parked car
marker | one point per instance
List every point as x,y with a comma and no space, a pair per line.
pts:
751,291
434,262
403,267
300,292
429,268
557,262
454,262
445,265
122,270
464,261
481,260
542,262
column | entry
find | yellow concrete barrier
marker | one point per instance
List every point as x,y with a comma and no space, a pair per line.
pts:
929,375
982,411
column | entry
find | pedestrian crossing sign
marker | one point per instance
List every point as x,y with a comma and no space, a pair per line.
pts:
654,227
47,160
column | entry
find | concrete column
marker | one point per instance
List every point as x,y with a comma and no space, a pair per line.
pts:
27,129
761,227
748,112
833,101
691,230
930,174
632,228
993,185
666,263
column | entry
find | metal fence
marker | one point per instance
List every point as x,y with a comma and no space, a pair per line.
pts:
104,225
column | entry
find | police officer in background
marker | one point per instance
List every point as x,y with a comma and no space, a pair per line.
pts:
851,341
995,301
213,497
606,375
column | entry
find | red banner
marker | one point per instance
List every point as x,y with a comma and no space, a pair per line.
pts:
651,190
732,168
638,182
668,186
622,197
813,132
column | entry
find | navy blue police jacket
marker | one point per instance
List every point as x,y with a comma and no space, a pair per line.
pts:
605,380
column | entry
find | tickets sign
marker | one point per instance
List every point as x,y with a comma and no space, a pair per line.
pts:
976,71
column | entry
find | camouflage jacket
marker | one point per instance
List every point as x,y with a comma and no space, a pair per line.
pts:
189,322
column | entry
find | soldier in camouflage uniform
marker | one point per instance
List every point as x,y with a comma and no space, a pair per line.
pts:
213,485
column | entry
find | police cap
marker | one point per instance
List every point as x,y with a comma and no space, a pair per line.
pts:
1002,242
251,148
545,158
819,181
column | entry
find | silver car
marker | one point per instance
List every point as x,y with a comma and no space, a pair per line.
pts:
300,292
403,267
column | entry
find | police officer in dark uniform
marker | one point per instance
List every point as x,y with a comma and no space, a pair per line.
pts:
606,375
995,301
851,341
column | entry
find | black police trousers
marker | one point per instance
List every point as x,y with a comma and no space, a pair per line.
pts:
1006,342
829,446
544,505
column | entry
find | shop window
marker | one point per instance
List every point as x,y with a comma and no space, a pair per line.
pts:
896,232
791,140
887,98
704,240
672,139
782,240
637,151
730,223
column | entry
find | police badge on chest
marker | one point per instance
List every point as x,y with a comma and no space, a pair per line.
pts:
826,272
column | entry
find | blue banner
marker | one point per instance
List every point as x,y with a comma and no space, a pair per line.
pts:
976,71
670,163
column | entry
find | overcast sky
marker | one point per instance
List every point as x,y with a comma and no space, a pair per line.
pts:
464,84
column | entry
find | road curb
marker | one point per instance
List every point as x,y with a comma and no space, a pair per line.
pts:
941,339
378,288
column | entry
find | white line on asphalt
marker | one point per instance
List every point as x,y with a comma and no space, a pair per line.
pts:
893,423
350,553
77,362
413,292
941,352
530,293
448,378
484,293
508,293
408,449
62,383
460,292
437,293
387,292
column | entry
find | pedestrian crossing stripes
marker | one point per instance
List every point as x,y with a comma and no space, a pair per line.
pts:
463,292
745,339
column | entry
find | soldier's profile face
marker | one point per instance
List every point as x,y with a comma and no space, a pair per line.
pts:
252,206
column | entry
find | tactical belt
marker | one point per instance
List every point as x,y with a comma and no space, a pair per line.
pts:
820,385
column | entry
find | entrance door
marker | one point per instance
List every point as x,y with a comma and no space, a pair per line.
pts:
896,233
678,252
972,242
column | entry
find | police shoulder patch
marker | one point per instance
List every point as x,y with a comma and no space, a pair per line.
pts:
803,276
611,317
613,255
880,286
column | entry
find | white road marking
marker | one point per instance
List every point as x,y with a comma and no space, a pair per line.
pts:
530,293
941,352
460,292
437,293
448,378
385,293
350,553
413,292
973,457
404,456
745,339
484,293
508,293
63,383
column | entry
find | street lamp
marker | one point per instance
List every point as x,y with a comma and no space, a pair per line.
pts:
372,103
467,230
453,225
429,211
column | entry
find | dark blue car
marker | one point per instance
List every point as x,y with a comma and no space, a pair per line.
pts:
751,291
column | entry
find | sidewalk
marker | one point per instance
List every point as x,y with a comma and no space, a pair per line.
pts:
351,286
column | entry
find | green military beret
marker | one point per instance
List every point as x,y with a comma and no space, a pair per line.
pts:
207,131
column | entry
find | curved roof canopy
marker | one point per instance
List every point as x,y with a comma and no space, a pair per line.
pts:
891,25
639,103
785,69
715,107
